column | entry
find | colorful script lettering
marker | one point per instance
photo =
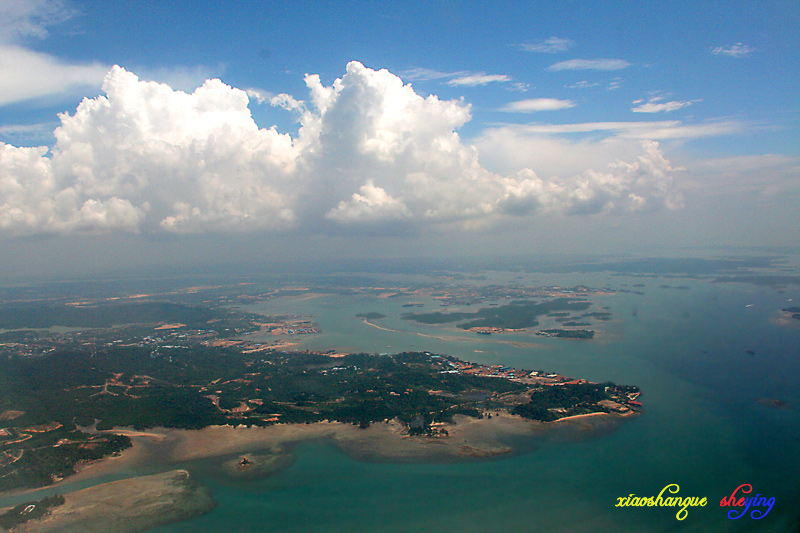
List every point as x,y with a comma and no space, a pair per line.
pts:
660,501
758,502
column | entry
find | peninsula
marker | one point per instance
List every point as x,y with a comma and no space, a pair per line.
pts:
183,383
49,401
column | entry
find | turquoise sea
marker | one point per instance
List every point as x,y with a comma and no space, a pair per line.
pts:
703,427
703,354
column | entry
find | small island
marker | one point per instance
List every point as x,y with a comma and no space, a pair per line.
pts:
515,315
372,315
570,314
566,333
794,311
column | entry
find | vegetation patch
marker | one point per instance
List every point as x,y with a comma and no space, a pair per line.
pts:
29,511
372,315
515,315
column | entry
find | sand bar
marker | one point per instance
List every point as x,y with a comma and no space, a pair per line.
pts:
130,505
142,502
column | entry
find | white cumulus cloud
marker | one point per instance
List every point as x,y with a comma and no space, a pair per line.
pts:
644,183
370,151
33,201
145,157
369,203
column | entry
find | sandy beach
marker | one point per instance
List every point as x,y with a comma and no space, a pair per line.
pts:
130,505
385,441
466,438
264,451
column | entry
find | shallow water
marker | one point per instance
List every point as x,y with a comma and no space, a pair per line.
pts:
702,426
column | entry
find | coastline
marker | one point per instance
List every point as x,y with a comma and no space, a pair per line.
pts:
519,344
268,452
383,441
131,505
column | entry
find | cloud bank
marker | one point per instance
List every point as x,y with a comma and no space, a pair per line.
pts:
26,74
370,154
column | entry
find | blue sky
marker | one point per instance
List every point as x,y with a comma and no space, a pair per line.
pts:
668,46
519,116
